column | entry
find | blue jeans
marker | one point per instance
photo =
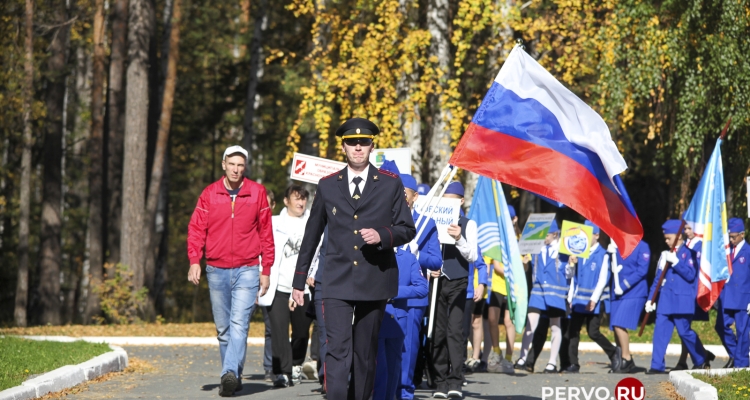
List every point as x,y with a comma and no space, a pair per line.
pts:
233,292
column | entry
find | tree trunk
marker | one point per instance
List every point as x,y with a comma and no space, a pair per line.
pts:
151,240
136,134
96,154
411,123
115,136
438,22
256,72
22,287
51,252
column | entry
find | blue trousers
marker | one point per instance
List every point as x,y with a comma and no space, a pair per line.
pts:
737,346
409,354
388,373
233,292
663,329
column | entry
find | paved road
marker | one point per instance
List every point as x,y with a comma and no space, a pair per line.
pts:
191,372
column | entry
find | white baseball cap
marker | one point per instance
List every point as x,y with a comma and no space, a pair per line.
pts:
234,149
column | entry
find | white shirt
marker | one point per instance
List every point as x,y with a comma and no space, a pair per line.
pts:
295,229
362,174
467,246
737,249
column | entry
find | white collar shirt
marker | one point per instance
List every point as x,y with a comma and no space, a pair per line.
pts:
351,174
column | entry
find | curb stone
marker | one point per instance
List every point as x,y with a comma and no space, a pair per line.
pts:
691,388
68,376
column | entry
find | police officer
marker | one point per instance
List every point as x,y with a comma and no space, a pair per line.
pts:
548,294
734,301
629,289
411,285
585,299
367,216
676,302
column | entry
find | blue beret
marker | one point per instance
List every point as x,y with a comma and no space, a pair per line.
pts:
390,166
455,188
591,224
409,182
512,211
554,228
736,225
671,226
423,188
357,126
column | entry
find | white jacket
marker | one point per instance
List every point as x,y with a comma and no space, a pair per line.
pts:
280,236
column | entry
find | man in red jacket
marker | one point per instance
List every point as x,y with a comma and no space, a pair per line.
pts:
232,220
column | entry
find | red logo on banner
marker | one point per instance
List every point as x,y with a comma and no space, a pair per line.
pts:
299,167
630,389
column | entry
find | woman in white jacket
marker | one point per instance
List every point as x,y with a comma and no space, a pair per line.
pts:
289,228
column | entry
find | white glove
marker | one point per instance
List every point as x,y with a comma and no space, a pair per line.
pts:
612,248
413,248
616,269
650,307
570,271
662,260
748,309
672,258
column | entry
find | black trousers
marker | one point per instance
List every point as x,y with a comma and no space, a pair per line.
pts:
592,322
352,347
448,337
286,353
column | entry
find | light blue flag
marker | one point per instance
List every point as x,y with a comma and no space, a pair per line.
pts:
497,239
707,216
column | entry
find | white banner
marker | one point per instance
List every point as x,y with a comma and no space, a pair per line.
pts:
401,156
446,213
310,169
534,233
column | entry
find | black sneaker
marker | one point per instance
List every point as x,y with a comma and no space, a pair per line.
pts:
572,369
709,357
228,384
652,371
441,392
283,381
626,366
455,393
680,367
616,359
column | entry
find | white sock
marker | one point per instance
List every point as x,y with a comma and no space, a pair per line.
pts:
554,324
528,335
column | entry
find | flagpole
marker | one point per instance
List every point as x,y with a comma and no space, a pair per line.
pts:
661,277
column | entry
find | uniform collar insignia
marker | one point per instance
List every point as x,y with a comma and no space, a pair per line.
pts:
375,177
341,177
334,211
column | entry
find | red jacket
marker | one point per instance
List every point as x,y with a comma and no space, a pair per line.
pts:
232,238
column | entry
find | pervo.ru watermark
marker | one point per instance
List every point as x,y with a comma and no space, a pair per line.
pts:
627,389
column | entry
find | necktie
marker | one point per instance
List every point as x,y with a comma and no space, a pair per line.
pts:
357,193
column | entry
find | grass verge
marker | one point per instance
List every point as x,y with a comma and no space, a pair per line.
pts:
733,386
20,358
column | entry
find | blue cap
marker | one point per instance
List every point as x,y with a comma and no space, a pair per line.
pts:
553,227
671,226
390,166
423,188
591,224
512,211
736,225
409,182
455,187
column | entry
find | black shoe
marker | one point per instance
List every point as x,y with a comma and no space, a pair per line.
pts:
705,365
283,381
572,369
652,371
228,383
616,359
730,363
517,365
239,386
680,367
481,367
626,366
552,370
709,357
441,392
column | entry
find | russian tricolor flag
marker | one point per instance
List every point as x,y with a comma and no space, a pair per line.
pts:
533,133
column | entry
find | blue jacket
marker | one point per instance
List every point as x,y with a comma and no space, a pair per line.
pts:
633,275
481,268
429,255
550,286
677,296
736,293
586,278
412,285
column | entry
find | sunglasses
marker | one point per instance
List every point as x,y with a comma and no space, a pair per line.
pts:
364,142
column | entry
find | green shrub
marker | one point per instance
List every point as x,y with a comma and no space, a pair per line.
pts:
120,302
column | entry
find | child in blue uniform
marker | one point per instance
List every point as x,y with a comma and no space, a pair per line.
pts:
585,299
734,301
548,294
629,290
411,285
676,302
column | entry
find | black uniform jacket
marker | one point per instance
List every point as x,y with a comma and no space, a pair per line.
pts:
354,270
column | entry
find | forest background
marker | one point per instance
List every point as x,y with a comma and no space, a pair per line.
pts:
114,115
